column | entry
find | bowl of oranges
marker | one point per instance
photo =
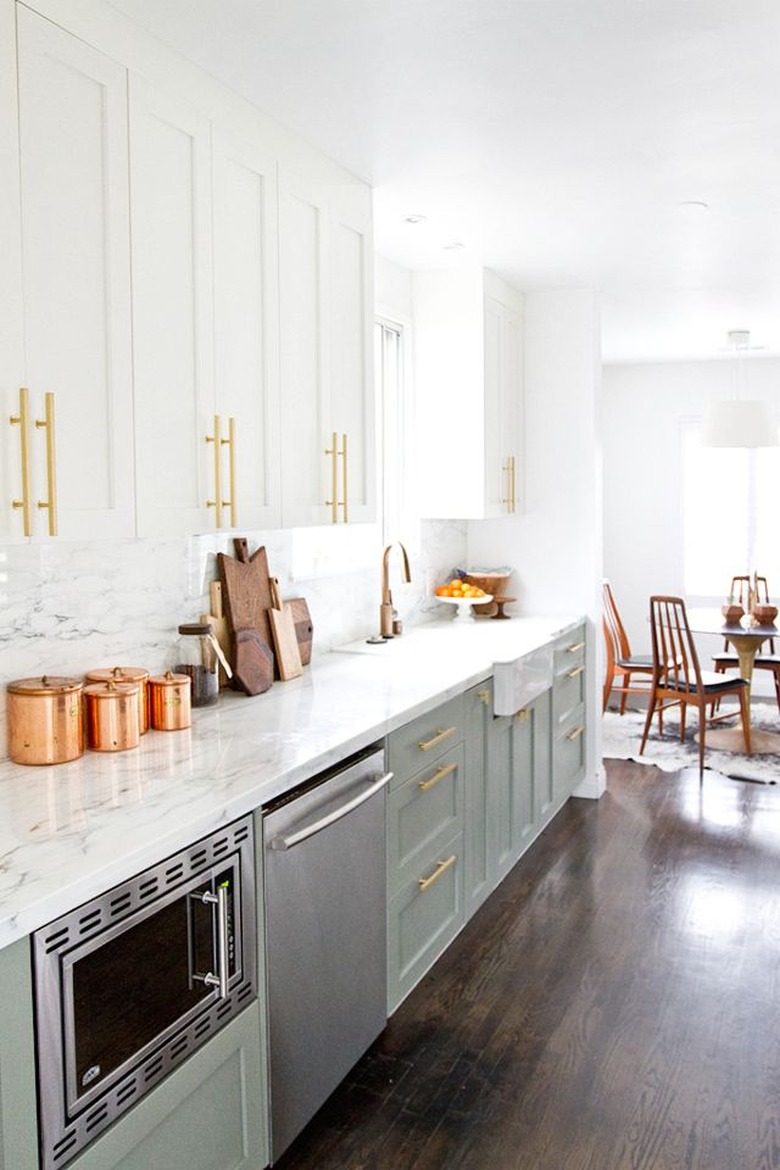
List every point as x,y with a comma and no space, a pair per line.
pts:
462,594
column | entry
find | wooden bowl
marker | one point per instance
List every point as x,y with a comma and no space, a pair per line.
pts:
492,583
732,613
766,614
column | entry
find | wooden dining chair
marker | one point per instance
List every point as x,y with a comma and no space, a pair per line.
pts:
620,661
726,659
678,677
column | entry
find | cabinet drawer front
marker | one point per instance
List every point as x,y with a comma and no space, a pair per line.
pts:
569,752
568,692
425,739
427,808
423,919
569,652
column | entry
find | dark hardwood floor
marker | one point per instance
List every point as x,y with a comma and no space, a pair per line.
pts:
614,1006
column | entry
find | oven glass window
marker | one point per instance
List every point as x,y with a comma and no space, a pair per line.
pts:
128,992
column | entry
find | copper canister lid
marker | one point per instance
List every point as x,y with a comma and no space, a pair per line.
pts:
119,674
110,688
170,679
46,684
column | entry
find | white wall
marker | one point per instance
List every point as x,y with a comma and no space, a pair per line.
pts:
554,545
643,538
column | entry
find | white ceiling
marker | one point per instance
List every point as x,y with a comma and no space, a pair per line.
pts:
632,146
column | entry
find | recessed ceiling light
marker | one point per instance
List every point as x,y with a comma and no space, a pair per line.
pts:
455,246
414,218
694,205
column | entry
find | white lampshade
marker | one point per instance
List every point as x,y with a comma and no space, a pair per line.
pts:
738,423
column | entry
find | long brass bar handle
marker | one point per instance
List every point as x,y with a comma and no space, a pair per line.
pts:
506,471
426,745
447,770
513,491
577,670
441,868
230,443
344,468
47,423
22,420
216,503
576,732
575,647
333,502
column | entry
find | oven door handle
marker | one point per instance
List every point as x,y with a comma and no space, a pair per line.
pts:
220,980
303,834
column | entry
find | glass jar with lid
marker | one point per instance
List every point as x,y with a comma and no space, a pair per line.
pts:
196,658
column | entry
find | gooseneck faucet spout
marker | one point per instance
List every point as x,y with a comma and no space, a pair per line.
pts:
386,611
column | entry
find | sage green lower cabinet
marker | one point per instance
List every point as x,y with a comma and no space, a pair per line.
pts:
568,713
18,1111
210,1114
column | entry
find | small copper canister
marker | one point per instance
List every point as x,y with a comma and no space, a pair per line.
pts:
124,675
169,701
111,716
44,720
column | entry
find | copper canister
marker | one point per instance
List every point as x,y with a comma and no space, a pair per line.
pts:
45,723
169,701
111,716
128,674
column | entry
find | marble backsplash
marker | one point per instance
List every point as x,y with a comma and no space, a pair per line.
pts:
66,608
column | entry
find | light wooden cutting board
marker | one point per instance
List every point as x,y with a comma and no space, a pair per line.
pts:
288,657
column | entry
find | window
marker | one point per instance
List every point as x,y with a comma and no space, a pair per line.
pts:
730,523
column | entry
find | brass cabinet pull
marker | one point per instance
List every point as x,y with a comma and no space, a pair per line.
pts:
22,420
426,745
577,670
577,646
230,443
484,696
47,423
446,770
576,732
216,439
344,472
509,471
513,495
441,867
333,502
523,715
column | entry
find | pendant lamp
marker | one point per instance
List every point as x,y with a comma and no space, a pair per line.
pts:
737,421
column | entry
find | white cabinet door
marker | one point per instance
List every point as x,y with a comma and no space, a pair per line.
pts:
76,284
246,346
350,257
469,390
326,364
172,312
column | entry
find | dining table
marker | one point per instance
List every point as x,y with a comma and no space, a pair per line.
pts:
745,637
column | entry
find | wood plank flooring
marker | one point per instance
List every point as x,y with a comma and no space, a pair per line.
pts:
614,1006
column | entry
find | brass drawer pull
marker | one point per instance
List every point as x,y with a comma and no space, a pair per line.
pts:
424,785
523,715
577,646
484,696
22,420
576,732
427,744
577,670
47,424
216,439
442,867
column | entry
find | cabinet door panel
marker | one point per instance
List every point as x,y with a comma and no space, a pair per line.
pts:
351,359
171,312
302,356
245,325
76,278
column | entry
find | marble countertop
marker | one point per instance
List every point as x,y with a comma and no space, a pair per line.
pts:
71,831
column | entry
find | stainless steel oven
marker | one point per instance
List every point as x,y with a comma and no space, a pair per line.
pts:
130,984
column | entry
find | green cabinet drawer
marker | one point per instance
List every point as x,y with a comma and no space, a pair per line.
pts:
568,652
423,919
569,754
426,809
424,739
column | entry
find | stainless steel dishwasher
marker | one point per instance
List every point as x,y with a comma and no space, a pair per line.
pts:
325,889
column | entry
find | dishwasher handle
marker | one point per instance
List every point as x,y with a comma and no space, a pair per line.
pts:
304,834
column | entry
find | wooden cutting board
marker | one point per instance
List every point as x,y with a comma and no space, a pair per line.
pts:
288,656
253,670
304,630
219,625
246,591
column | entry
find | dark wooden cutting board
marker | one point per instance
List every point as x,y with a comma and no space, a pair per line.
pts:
304,630
246,591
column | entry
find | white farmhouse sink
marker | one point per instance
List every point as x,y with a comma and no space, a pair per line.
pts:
521,680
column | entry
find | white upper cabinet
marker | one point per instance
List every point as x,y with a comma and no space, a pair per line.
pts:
469,394
204,304
326,372
70,448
